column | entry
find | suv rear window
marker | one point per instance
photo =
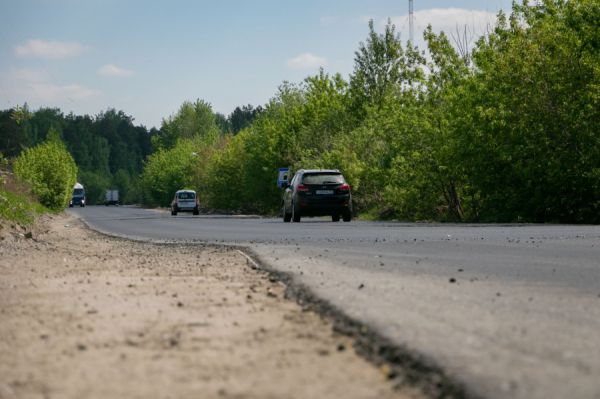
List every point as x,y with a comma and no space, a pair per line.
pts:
323,178
186,196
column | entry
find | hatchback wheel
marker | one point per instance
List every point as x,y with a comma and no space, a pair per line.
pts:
295,214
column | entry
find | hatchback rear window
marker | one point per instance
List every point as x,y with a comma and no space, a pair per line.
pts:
323,178
186,196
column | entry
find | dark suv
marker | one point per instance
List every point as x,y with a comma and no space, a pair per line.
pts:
317,193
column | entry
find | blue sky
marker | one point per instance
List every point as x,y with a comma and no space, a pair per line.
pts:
147,57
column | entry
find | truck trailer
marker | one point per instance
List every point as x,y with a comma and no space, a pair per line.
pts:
111,197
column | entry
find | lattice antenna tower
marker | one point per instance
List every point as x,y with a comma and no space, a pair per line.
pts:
411,21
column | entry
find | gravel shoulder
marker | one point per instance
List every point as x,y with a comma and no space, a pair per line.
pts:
85,315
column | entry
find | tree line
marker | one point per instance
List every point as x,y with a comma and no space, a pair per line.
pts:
506,131
109,149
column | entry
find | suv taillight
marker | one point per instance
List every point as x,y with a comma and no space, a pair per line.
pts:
344,187
302,188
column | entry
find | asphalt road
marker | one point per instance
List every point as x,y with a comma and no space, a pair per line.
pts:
510,311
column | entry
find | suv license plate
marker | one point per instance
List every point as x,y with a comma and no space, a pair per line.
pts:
324,192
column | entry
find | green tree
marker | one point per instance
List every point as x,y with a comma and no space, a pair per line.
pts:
169,170
243,117
95,186
535,148
123,182
192,120
380,65
13,138
223,123
50,171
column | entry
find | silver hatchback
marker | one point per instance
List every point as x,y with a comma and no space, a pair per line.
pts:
185,201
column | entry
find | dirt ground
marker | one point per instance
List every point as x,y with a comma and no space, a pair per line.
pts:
88,316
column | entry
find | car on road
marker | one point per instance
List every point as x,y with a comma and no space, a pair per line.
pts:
185,201
317,192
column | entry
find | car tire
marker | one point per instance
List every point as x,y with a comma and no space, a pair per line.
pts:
196,211
287,217
347,216
335,218
82,205
174,211
295,214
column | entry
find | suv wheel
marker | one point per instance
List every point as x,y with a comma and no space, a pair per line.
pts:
287,217
347,216
196,211
335,218
174,211
295,214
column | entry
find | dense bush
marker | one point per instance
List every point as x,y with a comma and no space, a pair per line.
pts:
167,171
50,171
16,204
185,146
506,132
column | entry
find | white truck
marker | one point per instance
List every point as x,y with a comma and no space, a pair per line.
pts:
78,197
111,197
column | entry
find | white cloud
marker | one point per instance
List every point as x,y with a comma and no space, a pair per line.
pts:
35,87
49,92
114,71
49,49
306,61
446,19
28,75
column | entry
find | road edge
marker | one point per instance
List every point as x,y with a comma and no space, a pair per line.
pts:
405,367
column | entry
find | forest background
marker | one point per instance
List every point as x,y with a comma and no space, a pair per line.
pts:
504,132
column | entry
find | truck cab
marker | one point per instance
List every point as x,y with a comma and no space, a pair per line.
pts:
78,197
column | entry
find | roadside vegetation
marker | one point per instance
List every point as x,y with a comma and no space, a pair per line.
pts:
506,131
50,171
17,205
19,208
108,149
42,181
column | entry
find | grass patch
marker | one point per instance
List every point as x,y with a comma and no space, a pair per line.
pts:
19,208
17,204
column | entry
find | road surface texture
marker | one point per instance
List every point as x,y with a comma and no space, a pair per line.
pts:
83,315
510,311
